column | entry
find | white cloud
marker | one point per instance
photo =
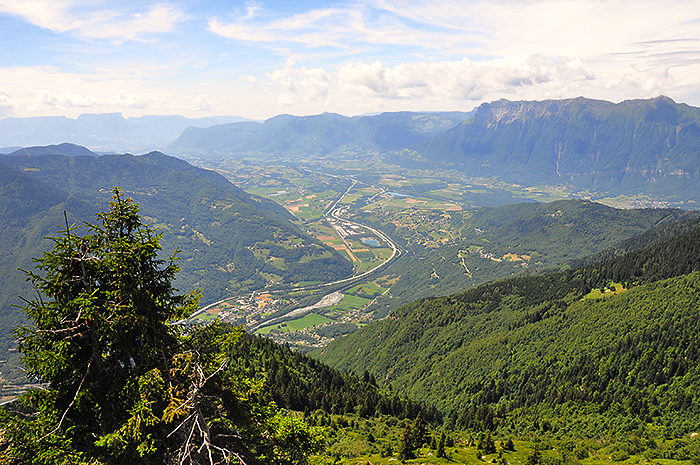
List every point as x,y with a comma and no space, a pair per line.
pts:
108,25
284,77
63,100
618,32
63,16
353,57
7,103
312,83
251,79
47,14
250,28
461,80
199,103
652,81
285,100
465,83
335,27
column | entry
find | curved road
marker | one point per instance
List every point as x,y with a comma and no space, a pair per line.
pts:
332,212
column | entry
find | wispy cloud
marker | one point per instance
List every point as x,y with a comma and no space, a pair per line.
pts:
47,14
313,28
479,28
341,27
347,56
62,16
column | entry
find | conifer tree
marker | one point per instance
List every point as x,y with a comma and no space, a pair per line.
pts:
420,432
441,446
121,382
406,449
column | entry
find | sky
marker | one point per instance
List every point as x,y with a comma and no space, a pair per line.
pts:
258,59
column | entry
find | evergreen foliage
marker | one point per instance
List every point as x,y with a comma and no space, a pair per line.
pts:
121,381
441,446
302,383
407,450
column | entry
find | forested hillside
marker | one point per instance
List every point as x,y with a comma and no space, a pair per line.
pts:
30,210
523,238
228,240
616,338
299,382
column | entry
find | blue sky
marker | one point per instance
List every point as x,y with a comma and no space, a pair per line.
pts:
259,59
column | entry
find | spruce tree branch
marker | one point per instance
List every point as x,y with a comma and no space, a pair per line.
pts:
63,417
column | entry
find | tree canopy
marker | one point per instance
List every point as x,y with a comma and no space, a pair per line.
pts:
119,379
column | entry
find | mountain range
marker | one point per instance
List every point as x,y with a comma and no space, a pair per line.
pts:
108,132
636,146
286,136
647,147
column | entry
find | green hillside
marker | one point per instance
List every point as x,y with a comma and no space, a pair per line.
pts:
495,243
299,382
558,346
226,237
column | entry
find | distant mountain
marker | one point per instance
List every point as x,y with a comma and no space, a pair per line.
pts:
318,135
102,132
637,146
67,149
30,210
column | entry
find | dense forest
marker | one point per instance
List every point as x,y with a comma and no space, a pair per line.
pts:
616,338
302,383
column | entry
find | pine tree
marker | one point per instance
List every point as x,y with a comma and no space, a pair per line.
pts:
420,432
121,381
441,446
406,449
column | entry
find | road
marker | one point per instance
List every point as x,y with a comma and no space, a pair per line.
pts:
333,212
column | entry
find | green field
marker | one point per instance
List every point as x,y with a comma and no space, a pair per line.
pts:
611,290
311,319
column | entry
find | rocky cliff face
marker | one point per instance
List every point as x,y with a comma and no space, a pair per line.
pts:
652,144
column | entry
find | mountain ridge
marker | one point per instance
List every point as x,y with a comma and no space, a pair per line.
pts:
635,146
320,135
225,236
